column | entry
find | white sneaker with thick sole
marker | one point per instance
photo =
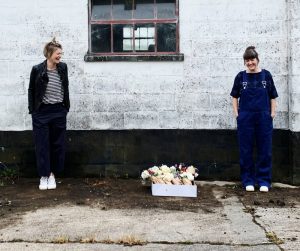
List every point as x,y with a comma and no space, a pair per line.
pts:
264,189
250,188
43,183
51,182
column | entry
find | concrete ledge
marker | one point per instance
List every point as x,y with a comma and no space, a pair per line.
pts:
133,58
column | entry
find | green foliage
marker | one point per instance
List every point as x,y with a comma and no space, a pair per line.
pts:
8,174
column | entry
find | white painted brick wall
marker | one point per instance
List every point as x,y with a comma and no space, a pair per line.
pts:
193,94
294,66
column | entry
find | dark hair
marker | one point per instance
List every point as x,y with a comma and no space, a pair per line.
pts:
51,47
250,53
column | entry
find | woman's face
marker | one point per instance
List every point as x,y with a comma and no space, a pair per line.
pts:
252,64
56,56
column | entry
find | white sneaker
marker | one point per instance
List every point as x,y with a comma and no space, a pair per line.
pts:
250,188
43,183
51,182
264,189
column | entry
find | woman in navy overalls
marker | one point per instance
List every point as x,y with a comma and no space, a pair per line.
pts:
254,106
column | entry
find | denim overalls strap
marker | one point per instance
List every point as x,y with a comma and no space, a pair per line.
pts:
245,80
246,83
263,77
254,92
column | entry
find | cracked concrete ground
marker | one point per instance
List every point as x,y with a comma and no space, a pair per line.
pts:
232,223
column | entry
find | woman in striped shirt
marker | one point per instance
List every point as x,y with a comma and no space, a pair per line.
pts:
48,102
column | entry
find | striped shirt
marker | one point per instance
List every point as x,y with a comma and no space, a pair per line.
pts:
54,91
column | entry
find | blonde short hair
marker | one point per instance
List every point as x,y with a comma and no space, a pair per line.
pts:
51,47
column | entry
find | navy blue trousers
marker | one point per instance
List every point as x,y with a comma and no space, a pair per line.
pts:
49,129
258,127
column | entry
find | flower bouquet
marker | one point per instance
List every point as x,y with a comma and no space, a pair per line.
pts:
172,181
176,175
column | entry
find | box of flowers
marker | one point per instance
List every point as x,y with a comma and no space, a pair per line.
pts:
172,181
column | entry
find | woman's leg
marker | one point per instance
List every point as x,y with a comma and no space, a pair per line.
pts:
246,143
41,138
263,136
57,141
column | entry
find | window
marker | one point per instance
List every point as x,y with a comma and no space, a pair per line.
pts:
133,27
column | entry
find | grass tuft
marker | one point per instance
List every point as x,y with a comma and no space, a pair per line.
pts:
273,238
130,240
61,240
88,240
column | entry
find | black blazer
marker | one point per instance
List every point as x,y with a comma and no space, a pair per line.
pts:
38,83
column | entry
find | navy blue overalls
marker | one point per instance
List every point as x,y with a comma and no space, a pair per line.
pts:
255,123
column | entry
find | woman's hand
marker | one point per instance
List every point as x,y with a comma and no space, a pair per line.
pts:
273,115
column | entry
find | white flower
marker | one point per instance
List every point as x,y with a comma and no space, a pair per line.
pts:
154,169
191,170
168,177
173,169
187,175
145,174
165,169
190,176
159,173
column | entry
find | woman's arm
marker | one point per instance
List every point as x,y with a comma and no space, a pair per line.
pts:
273,107
235,106
31,90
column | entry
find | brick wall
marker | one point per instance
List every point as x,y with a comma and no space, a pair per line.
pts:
193,94
294,87
294,70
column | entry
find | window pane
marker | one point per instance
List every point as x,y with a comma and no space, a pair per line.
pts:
123,37
122,9
166,8
166,37
144,9
144,38
101,9
101,37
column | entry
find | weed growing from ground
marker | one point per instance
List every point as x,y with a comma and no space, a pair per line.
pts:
8,174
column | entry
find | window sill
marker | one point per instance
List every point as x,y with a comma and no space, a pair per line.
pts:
133,58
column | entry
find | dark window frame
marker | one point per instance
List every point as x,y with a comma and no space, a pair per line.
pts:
134,55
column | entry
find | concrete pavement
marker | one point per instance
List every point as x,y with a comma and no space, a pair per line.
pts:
232,226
